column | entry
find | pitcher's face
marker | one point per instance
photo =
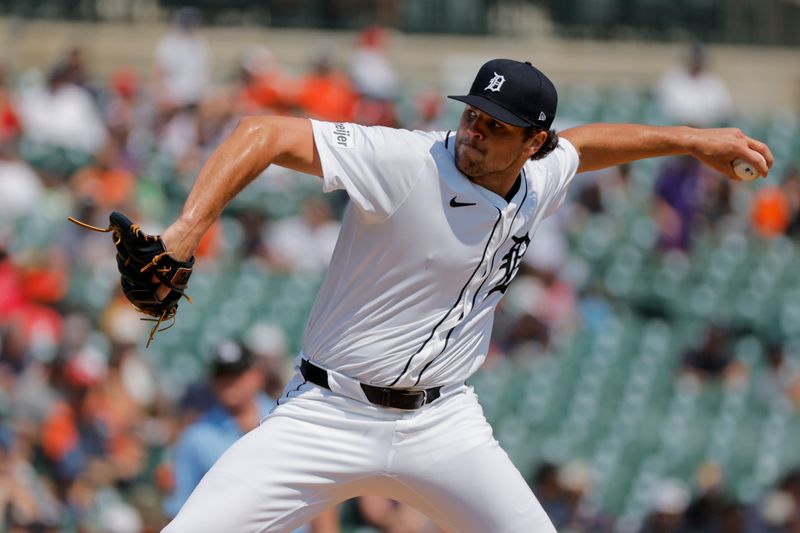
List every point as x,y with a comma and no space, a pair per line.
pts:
486,146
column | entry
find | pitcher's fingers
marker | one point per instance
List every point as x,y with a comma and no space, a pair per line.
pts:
762,149
758,161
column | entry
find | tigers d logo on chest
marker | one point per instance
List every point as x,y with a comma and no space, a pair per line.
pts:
511,262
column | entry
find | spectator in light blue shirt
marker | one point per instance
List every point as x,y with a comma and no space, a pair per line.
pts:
237,385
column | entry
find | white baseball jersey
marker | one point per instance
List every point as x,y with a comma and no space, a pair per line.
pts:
424,254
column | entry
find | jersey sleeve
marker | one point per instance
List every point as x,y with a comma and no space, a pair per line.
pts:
377,166
560,167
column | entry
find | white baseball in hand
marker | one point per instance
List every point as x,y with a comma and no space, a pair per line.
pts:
744,170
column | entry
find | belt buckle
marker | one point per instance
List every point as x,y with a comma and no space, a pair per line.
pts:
417,394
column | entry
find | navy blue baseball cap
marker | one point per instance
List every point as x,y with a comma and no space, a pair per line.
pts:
513,92
230,358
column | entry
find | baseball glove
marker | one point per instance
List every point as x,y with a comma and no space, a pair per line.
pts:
145,264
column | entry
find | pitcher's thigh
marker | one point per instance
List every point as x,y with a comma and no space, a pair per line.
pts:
274,479
476,492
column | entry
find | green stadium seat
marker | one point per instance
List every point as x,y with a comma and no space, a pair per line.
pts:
580,103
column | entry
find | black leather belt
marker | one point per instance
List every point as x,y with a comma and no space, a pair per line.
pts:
397,398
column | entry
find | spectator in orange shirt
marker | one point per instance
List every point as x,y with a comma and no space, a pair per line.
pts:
106,183
265,87
326,93
770,214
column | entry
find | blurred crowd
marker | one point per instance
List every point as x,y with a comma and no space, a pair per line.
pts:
673,507
93,439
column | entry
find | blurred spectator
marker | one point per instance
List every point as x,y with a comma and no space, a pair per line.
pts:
185,136
713,359
126,116
789,485
539,306
98,504
615,190
676,202
305,242
21,189
78,71
561,491
27,501
33,326
374,78
428,108
781,379
694,95
265,87
370,68
715,209
237,384
791,188
215,119
670,501
121,107
252,223
74,431
270,347
526,336
548,491
105,183
551,253
707,509
62,115
128,396
183,61
576,480
44,276
121,323
732,517
556,306
595,308
589,197
177,139
770,212
777,513
326,93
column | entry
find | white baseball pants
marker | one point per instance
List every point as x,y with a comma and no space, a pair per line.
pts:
318,448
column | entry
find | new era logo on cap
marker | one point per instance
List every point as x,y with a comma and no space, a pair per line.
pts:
513,92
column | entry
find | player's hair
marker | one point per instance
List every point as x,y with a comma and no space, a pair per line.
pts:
549,144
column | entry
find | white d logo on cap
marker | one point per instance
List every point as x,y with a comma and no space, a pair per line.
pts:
495,83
